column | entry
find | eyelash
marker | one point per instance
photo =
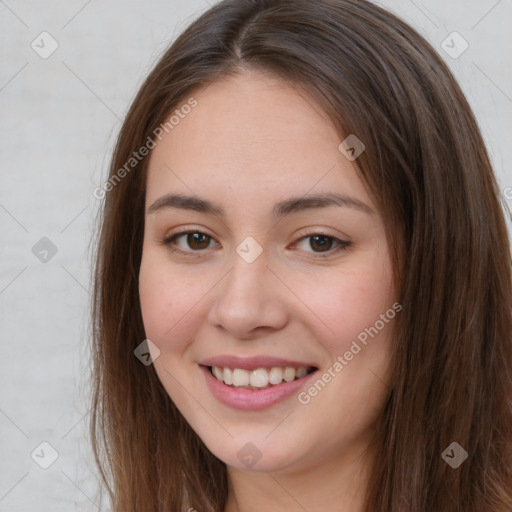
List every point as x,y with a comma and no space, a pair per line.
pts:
341,245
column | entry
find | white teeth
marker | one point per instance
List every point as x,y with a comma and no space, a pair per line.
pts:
301,372
228,376
259,378
289,374
240,377
275,376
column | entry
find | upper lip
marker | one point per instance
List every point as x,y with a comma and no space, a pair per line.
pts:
252,363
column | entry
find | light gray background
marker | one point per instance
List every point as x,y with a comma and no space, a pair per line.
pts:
59,118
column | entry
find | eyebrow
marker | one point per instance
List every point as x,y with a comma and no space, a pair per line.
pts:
281,209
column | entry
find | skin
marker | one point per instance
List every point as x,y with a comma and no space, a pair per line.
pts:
252,141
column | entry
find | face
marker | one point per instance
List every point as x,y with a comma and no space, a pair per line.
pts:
275,275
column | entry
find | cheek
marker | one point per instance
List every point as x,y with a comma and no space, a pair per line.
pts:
169,300
155,299
163,298
348,302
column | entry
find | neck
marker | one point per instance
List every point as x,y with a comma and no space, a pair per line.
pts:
338,484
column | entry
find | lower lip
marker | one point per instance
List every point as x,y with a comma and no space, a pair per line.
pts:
248,399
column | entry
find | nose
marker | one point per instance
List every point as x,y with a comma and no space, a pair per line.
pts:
250,299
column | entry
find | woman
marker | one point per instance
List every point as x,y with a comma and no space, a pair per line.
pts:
303,289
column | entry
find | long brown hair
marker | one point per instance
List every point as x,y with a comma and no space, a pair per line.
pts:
428,171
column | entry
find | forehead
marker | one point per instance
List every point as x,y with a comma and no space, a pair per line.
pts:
254,136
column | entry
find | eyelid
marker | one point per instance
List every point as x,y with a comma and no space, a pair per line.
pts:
311,231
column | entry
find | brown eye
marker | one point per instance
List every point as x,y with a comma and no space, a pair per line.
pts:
194,241
322,245
321,242
197,240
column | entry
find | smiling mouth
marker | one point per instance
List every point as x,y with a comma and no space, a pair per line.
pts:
259,378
